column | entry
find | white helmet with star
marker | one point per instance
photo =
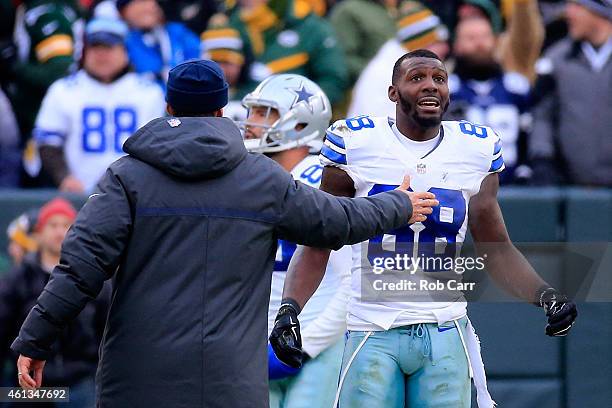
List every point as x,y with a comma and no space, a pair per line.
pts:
304,112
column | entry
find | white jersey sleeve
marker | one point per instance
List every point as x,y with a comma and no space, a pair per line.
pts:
53,122
342,140
497,161
481,150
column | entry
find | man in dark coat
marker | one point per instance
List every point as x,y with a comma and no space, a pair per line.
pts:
187,225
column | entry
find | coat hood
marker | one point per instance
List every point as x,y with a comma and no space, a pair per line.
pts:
188,147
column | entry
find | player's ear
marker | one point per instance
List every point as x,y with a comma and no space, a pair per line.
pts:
169,109
392,92
218,113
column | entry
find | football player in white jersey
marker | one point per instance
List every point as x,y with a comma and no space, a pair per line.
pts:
85,118
286,113
417,352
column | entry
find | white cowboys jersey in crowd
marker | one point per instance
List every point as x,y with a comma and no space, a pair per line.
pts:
501,103
91,120
323,320
452,166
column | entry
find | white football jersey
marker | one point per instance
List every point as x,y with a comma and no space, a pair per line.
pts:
323,319
91,120
377,156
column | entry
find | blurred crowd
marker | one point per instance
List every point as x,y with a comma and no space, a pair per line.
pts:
36,239
79,77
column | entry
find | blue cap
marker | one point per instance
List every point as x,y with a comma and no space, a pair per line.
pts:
121,4
197,86
105,31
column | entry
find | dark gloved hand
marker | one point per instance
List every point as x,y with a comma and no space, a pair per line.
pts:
285,338
8,57
560,311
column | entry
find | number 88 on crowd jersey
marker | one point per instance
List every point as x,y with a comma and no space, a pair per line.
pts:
91,120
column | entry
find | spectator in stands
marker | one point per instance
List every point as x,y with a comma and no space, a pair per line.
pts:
20,233
223,44
416,28
43,44
85,118
362,27
553,16
451,11
106,9
154,45
571,140
10,153
480,8
495,93
77,349
193,13
281,36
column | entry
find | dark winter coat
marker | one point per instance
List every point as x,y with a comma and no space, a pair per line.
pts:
187,225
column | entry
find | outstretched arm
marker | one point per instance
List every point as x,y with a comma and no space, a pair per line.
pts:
525,38
508,267
308,264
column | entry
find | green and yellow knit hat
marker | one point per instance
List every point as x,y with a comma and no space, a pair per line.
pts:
418,27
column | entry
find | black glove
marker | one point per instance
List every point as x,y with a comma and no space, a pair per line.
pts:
8,56
560,311
285,338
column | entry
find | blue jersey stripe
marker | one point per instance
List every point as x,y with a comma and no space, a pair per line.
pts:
497,148
337,140
40,135
497,164
333,155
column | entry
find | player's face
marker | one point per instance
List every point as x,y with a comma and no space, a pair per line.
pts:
422,91
53,233
475,40
259,118
104,61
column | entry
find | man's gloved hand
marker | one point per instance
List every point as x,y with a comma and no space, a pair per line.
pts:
8,57
285,338
560,311
276,368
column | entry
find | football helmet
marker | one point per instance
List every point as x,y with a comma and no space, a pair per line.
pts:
299,101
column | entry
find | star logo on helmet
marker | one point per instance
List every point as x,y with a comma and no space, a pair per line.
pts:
302,95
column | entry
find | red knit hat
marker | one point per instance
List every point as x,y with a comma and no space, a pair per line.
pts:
55,207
